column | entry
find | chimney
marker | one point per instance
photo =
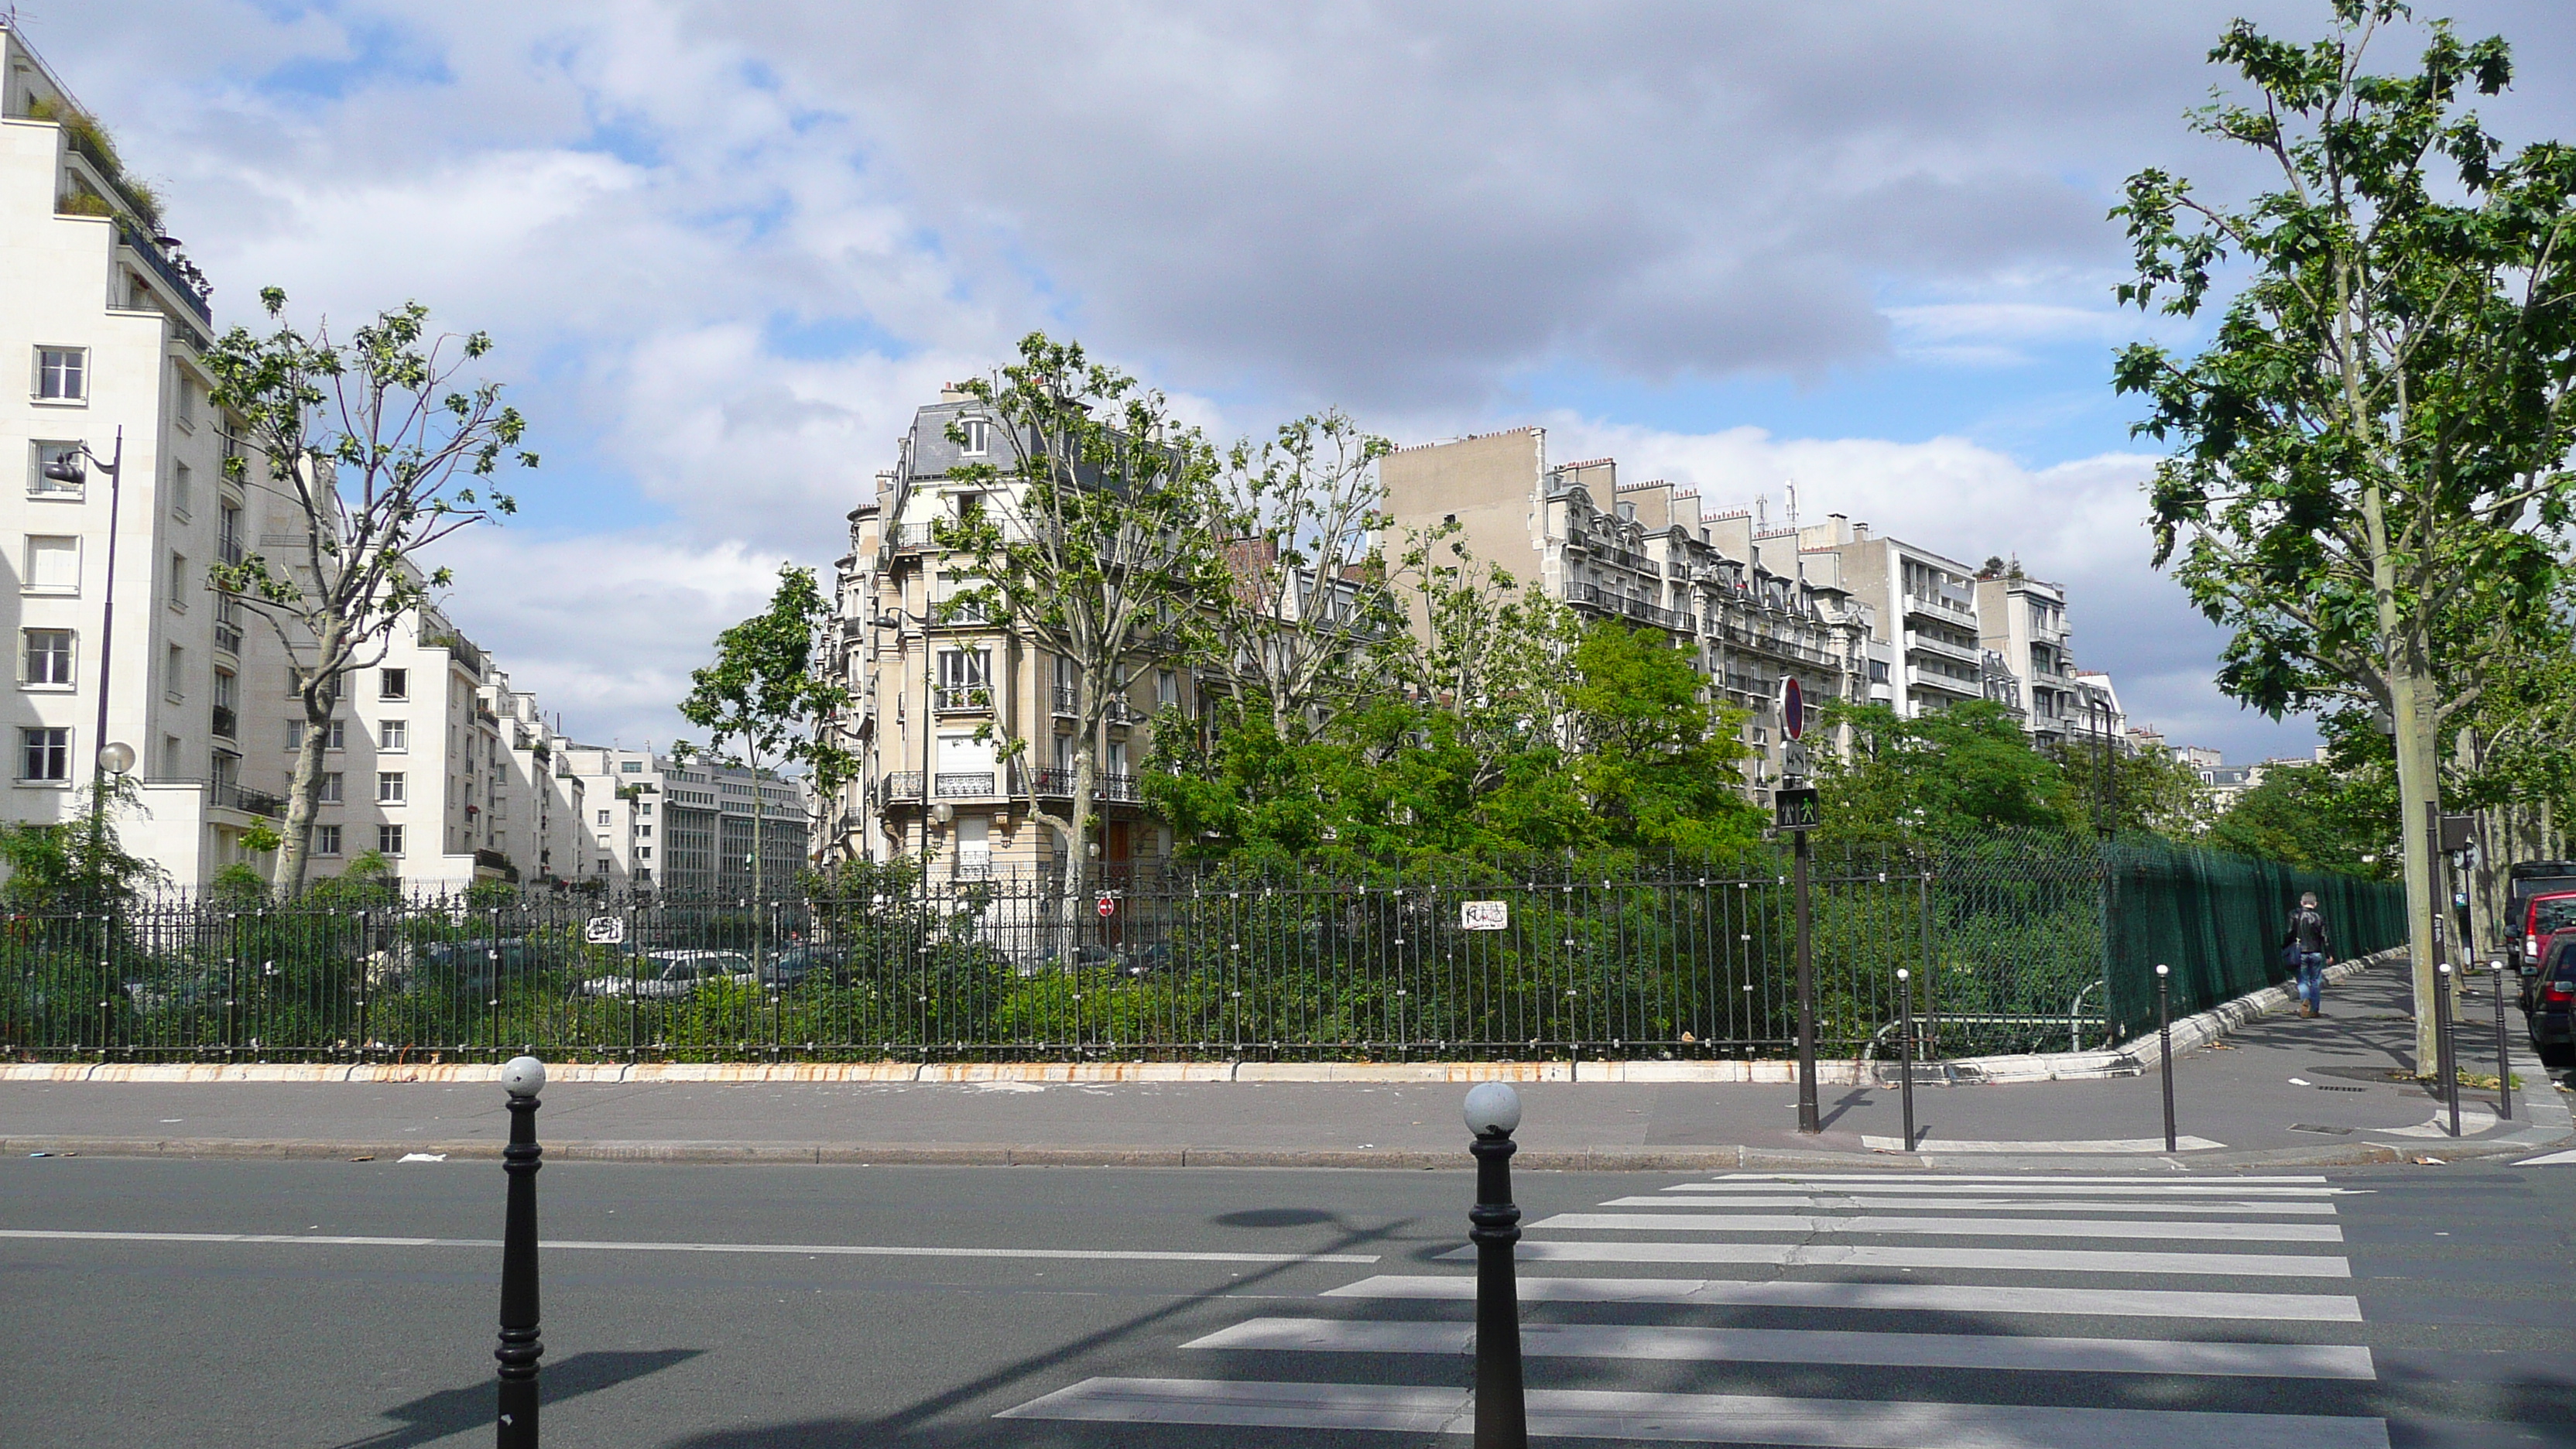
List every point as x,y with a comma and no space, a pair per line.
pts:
1859,531
951,392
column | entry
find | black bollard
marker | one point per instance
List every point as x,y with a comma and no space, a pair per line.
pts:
2164,1035
1905,1050
1502,1418
523,1078
2444,1055
2504,1056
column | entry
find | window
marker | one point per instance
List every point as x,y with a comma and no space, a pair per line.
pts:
978,434
630,767
179,582
389,840
53,564
394,734
393,684
645,809
326,839
174,674
964,679
643,832
603,817
390,788
227,692
45,754
643,852
45,656
62,373
603,865
42,455
330,791
183,487
183,398
1167,688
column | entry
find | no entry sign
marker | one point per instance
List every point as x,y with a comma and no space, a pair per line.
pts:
1793,708
1107,908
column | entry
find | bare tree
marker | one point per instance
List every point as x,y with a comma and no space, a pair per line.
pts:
380,453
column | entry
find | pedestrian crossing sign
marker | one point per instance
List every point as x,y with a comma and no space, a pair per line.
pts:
1795,810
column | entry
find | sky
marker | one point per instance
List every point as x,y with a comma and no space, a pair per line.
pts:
724,250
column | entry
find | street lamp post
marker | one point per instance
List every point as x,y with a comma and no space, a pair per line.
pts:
71,468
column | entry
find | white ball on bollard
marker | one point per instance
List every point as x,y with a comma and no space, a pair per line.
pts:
523,1077
1493,1107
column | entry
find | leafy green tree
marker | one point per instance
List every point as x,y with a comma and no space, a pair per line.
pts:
1659,767
1965,771
1090,538
2376,438
2149,790
764,704
69,864
2304,815
1298,519
378,452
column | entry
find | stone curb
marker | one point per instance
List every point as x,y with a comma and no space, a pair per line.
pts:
2135,1059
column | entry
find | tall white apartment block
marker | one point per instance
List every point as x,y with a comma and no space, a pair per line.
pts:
101,329
685,826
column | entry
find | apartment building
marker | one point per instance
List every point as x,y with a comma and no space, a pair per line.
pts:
533,800
651,822
105,322
2021,623
1925,605
964,727
1737,594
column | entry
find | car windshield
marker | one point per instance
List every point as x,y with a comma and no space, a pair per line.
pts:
2530,886
2553,913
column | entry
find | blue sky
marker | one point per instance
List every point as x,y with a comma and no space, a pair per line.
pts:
726,249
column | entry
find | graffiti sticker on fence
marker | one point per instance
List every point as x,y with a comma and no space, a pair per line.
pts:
605,930
1484,915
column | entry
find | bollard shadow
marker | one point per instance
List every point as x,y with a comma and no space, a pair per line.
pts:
432,1417
1857,1098
914,1424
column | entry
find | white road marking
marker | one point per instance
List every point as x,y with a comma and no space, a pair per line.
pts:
1700,1418
2473,1120
825,1250
1777,1345
1860,1255
1835,1201
1980,1186
1879,1297
2554,1159
2129,1178
1686,1222
2107,1145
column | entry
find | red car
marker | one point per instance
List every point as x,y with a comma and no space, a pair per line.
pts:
2543,915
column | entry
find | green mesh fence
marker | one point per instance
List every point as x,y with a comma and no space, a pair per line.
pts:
2217,921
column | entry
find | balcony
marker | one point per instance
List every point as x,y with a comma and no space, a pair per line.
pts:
1056,783
1940,606
964,784
192,290
1944,648
1918,678
226,723
903,785
228,638
1065,701
233,795
962,699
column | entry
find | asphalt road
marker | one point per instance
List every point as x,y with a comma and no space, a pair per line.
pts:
2460,1286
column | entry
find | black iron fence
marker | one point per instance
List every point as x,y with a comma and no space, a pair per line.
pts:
2017,945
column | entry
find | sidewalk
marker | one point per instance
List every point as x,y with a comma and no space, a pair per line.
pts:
2278,1089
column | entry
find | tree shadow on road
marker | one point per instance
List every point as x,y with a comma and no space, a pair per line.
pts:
432,1417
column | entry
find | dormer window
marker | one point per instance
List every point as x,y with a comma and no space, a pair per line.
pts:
977,433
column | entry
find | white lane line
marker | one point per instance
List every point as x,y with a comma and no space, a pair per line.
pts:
825,1250
1861,1255
1988,1186
2108,1146
2017,1177
2553,1159
1789,1345
1949,1227
1838,1202
1879,1297
1695,1418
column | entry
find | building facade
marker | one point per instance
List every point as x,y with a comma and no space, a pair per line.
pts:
962,727
1737,595
649,822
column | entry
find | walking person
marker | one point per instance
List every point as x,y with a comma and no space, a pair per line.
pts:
2310,949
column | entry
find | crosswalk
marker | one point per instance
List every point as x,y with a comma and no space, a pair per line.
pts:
2200,1314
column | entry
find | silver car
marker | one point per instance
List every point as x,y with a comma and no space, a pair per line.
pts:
667,975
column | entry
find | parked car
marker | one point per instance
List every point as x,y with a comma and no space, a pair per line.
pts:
787,967
2541,917
2523,880
2549,1003
668,975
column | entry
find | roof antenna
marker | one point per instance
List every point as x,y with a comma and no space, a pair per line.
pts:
1793,504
